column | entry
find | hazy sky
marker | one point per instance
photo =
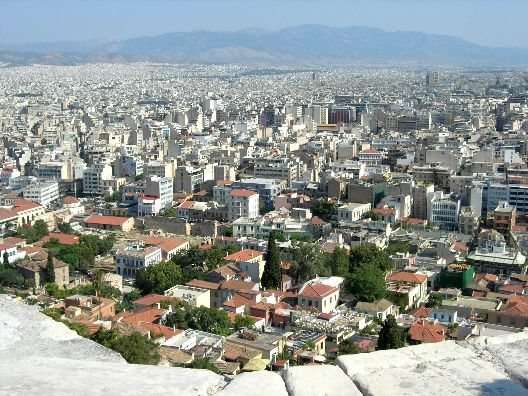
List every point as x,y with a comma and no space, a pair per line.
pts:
490,22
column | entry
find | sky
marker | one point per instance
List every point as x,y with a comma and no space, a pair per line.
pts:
487,22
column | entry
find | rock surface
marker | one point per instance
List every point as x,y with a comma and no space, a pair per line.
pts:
318,380
260,383
44,357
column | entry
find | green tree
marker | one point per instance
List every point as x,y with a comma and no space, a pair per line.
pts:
202,364
136,349
434,300
228,232
372,216
33,233
11,277
6,259
348,347
170,212
324,210
367,283
157,278
390,336
397,247
65,228
105,337
243,321
50,269
210,320
308,262
339,263
139,177
370,255
272,276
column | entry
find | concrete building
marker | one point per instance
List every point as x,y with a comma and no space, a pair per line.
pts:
504,218
242,203
419,200
443,210
188,179
42,193
322,297
195,296
133,258
161,187
94,176
281,168
149,206
352,212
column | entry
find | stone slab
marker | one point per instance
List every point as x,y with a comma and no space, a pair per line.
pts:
318,380
259,383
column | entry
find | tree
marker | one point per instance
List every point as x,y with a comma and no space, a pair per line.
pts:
202,364
370,255
228,232
157,278
372,216
11,277
6,259
136,349
434,300
324,210
397,247
339,263
348,347
209,319
367,283
170,212
50,269
65,228
139,177
33,233
308,262
243,321
272,276
390,336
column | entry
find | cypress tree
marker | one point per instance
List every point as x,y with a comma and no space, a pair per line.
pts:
272,276
50,269
390,336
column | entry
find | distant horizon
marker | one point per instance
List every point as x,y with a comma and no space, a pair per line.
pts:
109,40
476,21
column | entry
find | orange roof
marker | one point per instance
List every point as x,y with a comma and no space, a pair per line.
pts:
317,290
384,211
166,244
151,299
317,221
419,313
154,329
426,332
409,277
203,284
370,151
64,239
412,220
147,315
69,200
243,255
13,240
186,204
242,193
234,284
106,220
5,246
237,301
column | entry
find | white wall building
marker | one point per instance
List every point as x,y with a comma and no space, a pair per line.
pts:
242,203
133,258
43,193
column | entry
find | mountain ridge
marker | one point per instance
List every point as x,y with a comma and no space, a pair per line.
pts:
291,45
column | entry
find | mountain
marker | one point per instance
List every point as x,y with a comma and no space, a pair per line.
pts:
294,45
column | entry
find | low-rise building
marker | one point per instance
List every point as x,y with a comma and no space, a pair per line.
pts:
109,223
133,258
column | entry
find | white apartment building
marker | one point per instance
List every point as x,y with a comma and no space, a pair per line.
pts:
443,209
161,187
370,157
352,212
242,203
133,258
148,206
94,176
160,169
43,193
281,168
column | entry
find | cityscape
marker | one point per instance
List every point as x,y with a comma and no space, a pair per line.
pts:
208,213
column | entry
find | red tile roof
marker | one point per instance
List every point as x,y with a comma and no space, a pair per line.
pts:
426,332
409,277
106,220
370,151
317,290
203,284
242,193
234,284
64,239
243,255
